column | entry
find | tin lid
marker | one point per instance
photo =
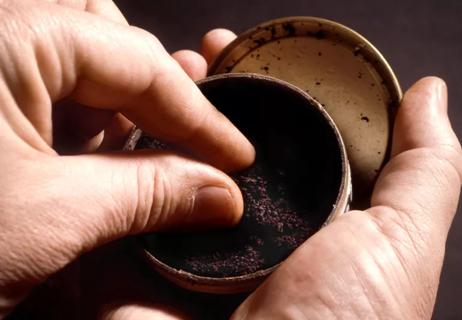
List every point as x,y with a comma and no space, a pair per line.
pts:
337,67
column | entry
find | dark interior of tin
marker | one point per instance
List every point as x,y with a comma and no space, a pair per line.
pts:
296,149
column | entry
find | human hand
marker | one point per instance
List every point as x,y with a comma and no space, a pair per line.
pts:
384,262
54,208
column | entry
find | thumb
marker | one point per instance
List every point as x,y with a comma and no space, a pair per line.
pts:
129,193
421,183
69,205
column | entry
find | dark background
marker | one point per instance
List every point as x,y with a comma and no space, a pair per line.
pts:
417,38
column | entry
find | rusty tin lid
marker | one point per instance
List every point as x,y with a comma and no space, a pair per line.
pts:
340,69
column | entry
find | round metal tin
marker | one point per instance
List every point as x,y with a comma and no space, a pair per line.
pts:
337,67
248,282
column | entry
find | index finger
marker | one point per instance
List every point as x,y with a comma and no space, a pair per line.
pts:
126,69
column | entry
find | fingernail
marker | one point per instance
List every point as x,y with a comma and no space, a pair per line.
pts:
215,206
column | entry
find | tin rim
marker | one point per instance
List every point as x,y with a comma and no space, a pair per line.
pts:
372,52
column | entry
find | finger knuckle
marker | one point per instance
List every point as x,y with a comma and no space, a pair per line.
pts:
451,157
142,205
150,41
443,164
155,198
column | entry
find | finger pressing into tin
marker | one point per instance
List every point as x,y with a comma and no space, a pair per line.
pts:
192,63
127,70
421,183
214,42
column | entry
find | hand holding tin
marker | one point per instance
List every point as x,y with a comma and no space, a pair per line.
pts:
384,262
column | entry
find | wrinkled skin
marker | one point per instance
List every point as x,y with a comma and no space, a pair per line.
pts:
74,76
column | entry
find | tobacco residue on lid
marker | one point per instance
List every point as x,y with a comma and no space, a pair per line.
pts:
289,28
